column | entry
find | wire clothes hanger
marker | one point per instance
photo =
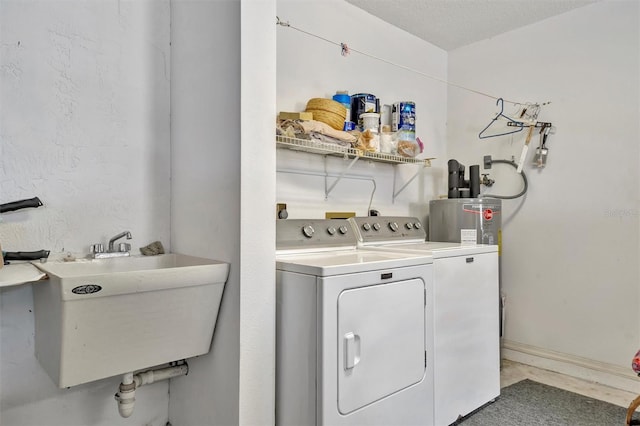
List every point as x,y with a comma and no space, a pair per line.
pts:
519,124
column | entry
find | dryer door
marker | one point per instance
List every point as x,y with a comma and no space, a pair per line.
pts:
381,341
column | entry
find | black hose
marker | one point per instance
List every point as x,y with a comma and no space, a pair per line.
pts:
510,197
22,204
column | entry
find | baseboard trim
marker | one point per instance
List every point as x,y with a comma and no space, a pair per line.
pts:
583,368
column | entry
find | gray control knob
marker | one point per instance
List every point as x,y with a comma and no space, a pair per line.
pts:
376,226
331,230
308,231
393,226
366,226
417,225
408,225
343,229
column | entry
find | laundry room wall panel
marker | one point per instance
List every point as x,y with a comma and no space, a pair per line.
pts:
205,165
85,127
309,67
258,187
570,247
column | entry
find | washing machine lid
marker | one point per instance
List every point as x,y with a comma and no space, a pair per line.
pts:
328,263
436,249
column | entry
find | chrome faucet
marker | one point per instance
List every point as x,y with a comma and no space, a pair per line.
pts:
123,248
117,237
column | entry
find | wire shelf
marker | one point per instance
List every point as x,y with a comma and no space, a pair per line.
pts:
324,148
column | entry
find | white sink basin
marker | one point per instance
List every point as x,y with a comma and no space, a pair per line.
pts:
104,317
121,264
133,274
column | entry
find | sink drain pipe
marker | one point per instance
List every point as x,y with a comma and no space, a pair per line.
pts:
130,382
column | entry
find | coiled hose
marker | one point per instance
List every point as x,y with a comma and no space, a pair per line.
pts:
510,197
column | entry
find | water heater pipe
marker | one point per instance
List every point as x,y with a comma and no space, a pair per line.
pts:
524,181
130,382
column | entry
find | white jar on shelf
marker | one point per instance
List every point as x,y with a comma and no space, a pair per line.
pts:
371,123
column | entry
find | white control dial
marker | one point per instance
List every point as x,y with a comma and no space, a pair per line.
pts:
417,225
393,226
408,225
343,229
366,226
376,226
308,231
331,230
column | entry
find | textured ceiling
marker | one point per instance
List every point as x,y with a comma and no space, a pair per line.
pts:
450,24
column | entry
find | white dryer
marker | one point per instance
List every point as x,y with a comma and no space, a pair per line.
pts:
466,312
353,330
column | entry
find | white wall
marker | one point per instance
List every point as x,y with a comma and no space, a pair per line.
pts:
257,232
205,182
309,67
84,125
571,247
217,169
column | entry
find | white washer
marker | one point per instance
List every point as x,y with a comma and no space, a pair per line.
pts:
466,312
353,330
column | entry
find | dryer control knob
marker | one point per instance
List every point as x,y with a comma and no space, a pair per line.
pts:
343,229
376,226
366,226
393,226
331,230
417,225
408,225
308,231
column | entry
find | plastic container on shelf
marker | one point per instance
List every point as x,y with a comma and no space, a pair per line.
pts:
407,145
385,116
343,97
370,121
388,143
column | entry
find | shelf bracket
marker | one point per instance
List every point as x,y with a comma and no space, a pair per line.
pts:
395,173
327,190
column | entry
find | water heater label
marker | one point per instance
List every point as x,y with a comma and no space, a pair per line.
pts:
487,213
468,236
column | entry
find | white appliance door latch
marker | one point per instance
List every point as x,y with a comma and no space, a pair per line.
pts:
351,350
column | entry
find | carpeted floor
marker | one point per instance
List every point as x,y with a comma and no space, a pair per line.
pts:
532,403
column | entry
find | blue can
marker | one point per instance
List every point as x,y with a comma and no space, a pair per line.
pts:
361,103
403,116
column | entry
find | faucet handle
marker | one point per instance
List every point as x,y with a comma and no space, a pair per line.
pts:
97,248
124,247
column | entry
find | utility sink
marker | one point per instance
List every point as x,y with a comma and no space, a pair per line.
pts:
104,317
145,273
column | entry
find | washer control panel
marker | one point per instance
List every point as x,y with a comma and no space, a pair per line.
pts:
294,234
373,229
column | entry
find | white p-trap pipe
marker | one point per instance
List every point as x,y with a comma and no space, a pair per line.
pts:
130,382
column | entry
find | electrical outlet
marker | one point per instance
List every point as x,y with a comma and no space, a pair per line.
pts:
487,161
